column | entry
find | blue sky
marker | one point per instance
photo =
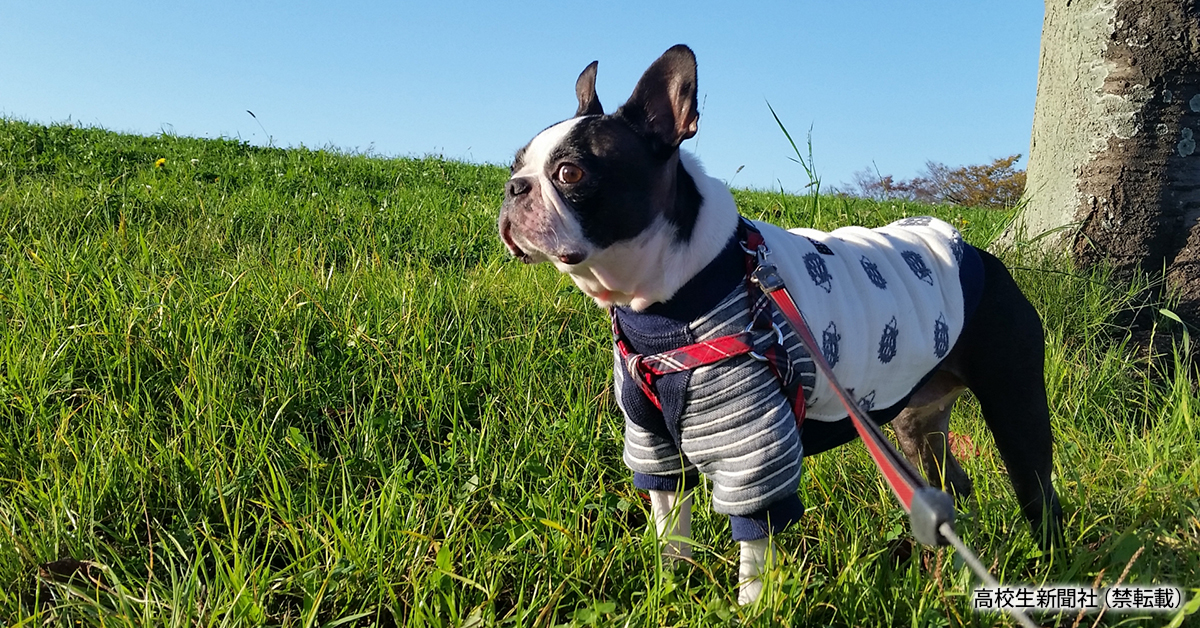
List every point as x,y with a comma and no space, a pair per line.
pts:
894,83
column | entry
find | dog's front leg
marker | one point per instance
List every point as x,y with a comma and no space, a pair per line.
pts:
673,522
755,555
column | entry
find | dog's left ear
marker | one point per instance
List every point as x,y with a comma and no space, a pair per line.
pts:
663,105
585,91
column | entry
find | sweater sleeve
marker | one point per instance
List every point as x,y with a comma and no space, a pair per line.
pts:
652,454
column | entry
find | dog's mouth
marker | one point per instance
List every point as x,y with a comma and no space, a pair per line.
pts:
506,236
570,258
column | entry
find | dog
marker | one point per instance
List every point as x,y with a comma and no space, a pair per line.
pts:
915,317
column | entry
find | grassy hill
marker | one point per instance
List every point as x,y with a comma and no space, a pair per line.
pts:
247,386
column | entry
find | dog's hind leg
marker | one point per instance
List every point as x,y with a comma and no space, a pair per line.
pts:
923,429
673,523
1001,353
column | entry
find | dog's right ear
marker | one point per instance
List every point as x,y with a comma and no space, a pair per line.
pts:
663,105
585,91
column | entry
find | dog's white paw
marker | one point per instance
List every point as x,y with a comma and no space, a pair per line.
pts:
755,556
675,552
749,591
673,523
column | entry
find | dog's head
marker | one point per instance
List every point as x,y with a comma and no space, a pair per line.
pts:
605,197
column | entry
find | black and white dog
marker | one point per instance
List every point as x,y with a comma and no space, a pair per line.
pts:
908,315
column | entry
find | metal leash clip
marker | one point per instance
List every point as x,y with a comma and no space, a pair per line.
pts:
765,276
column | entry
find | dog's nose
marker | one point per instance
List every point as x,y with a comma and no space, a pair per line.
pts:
517,186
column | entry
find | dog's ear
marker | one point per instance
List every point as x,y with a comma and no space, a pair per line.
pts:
663,105
585,91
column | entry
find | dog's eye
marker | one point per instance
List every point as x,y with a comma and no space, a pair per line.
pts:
569,173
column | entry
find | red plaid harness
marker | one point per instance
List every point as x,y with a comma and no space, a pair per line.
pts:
646,369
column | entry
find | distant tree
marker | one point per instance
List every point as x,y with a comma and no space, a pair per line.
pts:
997,185
868,183
1114,175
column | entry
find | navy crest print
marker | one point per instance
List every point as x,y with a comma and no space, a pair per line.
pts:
819,246
956,247
941,336
867,401
829,344
887,342
916,264
873,273
914,221
818,272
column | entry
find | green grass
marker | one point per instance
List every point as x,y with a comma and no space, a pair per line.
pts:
257,386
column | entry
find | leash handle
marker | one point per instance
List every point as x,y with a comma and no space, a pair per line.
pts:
928,508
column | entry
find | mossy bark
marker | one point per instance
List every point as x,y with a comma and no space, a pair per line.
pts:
1113,163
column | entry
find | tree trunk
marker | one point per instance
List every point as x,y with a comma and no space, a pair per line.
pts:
1113,153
